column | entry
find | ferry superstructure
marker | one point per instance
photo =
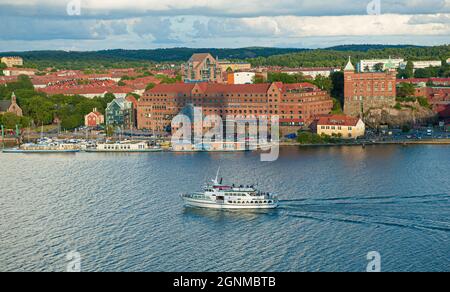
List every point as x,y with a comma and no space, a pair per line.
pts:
125,146
220,196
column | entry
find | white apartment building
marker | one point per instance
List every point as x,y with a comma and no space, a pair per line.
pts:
313,72
422,64
241,78
369,65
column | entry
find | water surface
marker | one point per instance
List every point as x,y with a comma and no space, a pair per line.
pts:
122,212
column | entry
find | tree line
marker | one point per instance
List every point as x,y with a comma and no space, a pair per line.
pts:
338,58
41,109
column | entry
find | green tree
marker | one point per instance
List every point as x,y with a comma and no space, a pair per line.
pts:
10,120
409,70
258,79
337,107
109,97
406,90
2,67
150,86
324,83
378,67
427,72
337,79
285,78
40,110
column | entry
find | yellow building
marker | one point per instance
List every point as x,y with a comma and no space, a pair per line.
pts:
226,66
12,61
341,126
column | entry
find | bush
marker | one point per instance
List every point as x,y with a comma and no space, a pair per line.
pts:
312,138
423,101
150,86
398,106
406,99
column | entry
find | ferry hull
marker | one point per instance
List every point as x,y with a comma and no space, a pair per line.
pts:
226,206
123,151
17,151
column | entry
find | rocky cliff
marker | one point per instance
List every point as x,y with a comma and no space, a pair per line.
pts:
408,114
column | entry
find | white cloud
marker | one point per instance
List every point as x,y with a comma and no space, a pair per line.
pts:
118,8
297,27
219,23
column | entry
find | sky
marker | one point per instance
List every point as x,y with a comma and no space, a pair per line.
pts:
82,25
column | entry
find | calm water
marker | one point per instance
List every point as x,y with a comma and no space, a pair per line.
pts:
123,212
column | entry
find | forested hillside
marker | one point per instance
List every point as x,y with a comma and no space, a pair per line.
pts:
339,56
335,56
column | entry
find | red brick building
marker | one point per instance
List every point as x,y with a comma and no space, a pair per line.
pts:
418,81
295,104
363,91
438,97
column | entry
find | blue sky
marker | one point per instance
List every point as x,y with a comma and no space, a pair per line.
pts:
146,24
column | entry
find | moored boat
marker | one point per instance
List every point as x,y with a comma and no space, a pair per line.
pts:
125,146
44,148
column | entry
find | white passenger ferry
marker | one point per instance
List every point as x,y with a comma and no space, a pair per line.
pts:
44,147
220,196
125,146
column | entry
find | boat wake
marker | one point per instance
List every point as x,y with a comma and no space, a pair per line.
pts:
413,212
359,200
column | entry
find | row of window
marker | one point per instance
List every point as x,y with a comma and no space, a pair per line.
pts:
250,202
334,128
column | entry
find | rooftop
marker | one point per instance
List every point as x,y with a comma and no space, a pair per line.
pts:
199,57
214,88
338,120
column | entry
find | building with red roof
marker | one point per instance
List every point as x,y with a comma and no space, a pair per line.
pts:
19,71
434,81
8,79
139,85
94,119
294,104
89,90
340,126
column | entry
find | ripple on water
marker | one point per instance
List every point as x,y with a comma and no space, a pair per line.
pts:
123,212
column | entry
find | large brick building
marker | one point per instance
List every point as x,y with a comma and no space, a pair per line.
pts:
202,68
295,104
363,91
438,97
